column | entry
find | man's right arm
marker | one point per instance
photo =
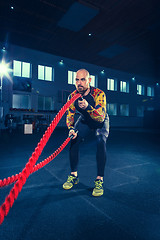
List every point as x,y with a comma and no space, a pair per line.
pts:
70,116
70,121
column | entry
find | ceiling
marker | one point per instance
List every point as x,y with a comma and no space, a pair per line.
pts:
125,34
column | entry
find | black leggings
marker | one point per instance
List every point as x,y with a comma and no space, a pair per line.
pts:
100,154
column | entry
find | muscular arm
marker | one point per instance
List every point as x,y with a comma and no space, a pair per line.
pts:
99,112
70,116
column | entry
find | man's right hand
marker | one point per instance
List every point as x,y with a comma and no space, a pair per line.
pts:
72,132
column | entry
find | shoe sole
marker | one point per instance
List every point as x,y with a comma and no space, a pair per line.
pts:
67,188
97,194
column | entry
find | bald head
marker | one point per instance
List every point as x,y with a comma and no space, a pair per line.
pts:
82,80
84,72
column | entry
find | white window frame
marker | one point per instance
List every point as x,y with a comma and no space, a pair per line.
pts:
45,76
140,89
124,86
21,69
71,77
111,84
93,80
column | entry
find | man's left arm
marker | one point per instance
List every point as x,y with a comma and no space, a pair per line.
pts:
99,112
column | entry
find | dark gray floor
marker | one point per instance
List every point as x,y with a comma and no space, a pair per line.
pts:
129,209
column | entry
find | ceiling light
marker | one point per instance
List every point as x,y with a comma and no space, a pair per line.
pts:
61,62
90,34
102,71
3,49
133,78
12,7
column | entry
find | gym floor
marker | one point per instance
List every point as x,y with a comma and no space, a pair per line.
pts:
128,210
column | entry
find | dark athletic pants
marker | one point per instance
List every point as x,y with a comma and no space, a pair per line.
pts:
101,137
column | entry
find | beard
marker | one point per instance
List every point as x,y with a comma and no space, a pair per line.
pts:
81,90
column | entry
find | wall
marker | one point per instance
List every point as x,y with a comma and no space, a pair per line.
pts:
60,83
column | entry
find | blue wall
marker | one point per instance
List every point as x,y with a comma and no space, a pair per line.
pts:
60,83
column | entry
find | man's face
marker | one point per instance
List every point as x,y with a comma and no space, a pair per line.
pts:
82,81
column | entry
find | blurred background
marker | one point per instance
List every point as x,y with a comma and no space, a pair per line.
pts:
44,42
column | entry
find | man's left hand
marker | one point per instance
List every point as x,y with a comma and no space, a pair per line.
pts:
83,104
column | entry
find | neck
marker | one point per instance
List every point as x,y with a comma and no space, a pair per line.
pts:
86,92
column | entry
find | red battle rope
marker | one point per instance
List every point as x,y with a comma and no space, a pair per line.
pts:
6,181
30,166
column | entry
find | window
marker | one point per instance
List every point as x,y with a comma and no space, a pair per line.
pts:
111,84
140,111
45,73
21,69
112,108
40,72
21,101
93,80
140,89
45,103
72,77
150,91
17,68
124,86
124,110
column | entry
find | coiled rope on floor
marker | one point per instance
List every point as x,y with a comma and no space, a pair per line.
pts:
30,166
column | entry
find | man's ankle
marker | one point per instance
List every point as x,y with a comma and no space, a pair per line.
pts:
74,173
99,178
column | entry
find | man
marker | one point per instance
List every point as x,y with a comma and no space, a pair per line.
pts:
92,108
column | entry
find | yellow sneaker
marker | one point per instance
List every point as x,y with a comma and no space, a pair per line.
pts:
98,189
71,181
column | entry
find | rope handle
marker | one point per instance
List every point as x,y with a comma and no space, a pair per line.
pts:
29,168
